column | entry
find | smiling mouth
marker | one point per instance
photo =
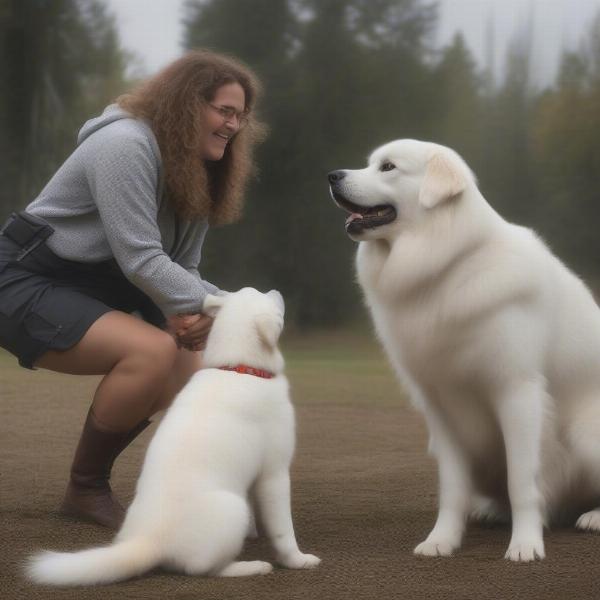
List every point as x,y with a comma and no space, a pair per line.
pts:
222,136
363,217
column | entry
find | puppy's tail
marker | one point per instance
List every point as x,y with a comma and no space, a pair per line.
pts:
119,561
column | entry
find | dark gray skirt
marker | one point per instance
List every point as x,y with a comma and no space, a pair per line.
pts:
47,302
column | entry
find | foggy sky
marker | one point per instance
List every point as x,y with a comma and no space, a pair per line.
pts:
153,29
557,25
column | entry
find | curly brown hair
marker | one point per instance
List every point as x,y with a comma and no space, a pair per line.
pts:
174,101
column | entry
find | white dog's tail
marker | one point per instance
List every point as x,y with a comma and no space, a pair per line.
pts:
119,561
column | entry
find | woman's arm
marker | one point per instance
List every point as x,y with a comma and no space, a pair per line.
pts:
123,179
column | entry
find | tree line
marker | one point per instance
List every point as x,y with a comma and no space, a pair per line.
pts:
341,77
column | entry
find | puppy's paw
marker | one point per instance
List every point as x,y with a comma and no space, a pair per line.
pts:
263,568
589,521
525,551
246,569
299,560
435,547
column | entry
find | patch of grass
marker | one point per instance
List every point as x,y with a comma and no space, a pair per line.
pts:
325,367
340,367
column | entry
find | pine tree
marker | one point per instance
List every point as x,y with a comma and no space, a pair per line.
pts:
509,181
567,156
60,63
459,110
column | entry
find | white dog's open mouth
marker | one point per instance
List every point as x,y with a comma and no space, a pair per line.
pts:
364,217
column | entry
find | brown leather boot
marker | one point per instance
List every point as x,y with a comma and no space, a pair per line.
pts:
88,494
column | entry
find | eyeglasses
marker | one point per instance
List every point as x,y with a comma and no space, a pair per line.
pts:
228,113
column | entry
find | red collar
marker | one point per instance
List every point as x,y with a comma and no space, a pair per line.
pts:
246,370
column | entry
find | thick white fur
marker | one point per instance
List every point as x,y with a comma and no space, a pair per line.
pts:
496,340
225,435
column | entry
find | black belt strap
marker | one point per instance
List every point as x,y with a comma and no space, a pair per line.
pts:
27,231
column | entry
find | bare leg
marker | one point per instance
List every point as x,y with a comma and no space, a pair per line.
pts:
142,368
186,364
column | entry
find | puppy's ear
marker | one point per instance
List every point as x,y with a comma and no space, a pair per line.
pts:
269,329
278,298
442,181
212,305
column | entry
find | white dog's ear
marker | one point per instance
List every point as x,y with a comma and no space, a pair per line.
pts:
278,298
212,305
442,181
269,329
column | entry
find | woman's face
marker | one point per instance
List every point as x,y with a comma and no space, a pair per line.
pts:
223,115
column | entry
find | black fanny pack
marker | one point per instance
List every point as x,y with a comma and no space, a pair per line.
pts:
27,231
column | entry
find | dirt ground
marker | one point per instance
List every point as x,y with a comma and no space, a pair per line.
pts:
364,494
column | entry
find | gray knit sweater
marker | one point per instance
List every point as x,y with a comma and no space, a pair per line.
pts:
106,201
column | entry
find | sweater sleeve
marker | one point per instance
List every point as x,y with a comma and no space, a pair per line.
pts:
123,179
191,253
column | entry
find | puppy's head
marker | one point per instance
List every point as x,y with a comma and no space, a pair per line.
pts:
246,329
404,181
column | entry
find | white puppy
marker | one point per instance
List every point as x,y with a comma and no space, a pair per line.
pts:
227,431
497,342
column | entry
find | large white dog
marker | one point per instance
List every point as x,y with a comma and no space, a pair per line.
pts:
497,342
231,428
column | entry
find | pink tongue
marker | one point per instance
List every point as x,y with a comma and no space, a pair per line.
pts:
353,217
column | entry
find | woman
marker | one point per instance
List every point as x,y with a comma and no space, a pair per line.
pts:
119,230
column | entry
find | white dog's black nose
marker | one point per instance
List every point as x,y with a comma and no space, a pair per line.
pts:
335,176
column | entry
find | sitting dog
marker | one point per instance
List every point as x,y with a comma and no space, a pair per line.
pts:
496,340
229,431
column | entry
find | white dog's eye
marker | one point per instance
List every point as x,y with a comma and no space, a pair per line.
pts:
387,166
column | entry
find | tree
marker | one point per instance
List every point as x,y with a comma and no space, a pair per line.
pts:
567,154
60,63
509,180
459,108
341,77
261,33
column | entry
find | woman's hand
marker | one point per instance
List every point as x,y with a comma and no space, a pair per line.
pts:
190,331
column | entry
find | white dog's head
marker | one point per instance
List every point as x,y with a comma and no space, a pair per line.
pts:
246,329
403,182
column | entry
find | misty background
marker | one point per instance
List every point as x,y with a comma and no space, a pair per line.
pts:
512,85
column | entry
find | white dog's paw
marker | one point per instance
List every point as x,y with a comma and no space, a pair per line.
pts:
299,560
589,521
525,551
252,532
486,510
435,547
